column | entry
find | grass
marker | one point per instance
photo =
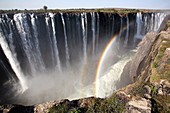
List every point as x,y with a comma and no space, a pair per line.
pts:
96,105
61,108
161,69
155,65
163,101
109,105
137,90
168,23
104,10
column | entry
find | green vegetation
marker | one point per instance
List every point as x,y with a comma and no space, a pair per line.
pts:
75,110
155,65
107,106
105,10
94,105
168,23
160,70
137,89
119,11
161,66
162,101
61,108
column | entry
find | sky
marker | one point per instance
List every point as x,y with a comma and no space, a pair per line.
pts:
68,4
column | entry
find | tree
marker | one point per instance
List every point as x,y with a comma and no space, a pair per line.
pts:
45,7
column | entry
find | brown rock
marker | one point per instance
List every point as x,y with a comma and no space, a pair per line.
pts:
147,96
142,52
147,89
138,106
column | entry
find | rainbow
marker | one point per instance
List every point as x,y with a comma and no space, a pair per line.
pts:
100,63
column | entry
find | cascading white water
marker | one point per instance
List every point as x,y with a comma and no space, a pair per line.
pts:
39,60
97,32
93,31
84,26
48,43
66,42
152,22
25,35
107,82
79,32
107,86
139,25
51,43
13,60
54,40
113,24
127,32
121,26
120,32
146,24
158,20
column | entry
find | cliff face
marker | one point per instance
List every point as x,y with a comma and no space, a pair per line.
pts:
68,38
149,92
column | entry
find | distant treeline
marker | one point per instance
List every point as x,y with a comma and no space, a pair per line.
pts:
106,10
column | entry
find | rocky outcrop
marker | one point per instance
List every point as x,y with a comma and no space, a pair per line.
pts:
16,109
150,70
143,51
141,105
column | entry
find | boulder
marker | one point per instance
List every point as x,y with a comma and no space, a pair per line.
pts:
147,96
141,105
147,89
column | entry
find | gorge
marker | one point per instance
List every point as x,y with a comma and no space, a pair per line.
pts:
51,56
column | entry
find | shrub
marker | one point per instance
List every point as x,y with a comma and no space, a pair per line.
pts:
61,108
155,65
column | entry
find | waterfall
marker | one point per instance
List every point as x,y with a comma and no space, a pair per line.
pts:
93,31
84,29
121,26
139,25
54,40
107,82
66,43
63,49
152,22
13,60
97,32
39,59
25,35
158,20
47,19
119,35
113,25
127,32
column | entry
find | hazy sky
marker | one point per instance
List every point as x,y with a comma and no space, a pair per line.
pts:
63,4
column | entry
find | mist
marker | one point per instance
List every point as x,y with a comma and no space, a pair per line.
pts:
56,85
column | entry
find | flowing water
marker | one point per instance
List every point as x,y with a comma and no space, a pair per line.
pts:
54,55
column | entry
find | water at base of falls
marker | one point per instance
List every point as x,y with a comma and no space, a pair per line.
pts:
14,63
69,86
107,82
